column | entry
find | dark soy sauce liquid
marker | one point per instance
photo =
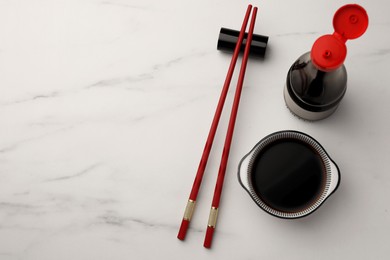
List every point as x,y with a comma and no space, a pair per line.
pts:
288,175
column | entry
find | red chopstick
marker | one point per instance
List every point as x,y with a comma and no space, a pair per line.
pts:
202,165
228,140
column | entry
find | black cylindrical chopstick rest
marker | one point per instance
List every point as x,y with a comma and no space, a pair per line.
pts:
228,38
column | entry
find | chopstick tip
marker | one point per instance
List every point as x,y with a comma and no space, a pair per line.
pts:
209,237
183,229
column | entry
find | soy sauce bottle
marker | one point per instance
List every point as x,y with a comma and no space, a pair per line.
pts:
317,81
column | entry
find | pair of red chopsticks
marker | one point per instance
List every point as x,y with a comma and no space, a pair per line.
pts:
225,155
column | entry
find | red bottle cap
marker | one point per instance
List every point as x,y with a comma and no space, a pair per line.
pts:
329,51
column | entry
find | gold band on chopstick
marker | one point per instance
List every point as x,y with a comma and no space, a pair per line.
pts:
189,210
213,217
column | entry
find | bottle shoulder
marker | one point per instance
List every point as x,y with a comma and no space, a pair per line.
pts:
315,87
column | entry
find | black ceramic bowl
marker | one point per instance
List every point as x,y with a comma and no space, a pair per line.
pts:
288,174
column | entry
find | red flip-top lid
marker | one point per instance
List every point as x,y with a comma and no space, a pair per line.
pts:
329,51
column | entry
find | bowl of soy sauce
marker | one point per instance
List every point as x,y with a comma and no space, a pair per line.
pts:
288,174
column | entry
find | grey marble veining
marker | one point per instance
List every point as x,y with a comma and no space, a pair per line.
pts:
105,108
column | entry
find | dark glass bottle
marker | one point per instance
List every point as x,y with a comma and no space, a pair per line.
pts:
317,81
311,93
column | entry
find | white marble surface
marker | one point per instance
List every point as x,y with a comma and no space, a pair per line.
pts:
105,106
